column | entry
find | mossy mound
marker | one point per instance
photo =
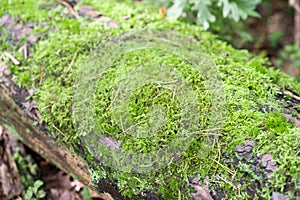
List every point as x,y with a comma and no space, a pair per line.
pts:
247,84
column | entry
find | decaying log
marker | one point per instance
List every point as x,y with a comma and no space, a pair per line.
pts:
16,121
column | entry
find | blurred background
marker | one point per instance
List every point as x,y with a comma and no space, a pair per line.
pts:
269,28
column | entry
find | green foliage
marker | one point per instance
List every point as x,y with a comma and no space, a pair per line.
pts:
283,141
274,38
290,54
86,194
40,69
27,10
35,192
205,12
144,98
28,172
26,169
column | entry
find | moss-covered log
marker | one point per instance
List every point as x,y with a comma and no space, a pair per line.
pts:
245,143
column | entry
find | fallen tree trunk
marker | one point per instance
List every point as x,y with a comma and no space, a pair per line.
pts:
19,122
16,121
251,100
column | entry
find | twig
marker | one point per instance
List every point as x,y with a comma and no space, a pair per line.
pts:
70,8
41,77
91,78
12,58
122,125
131,127
230,183
115,97
204,132
58,130
72,61
174,92
211,165
23,49
219,156
212,129
233,176
159,94
169,41
223,166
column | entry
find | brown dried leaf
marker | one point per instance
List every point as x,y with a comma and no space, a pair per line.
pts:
10,184
77,185
196,179
106,196
32,110
54,194
202,193
268,163
4,180
5,75
17,30
293,119
6,20
89,11
245,150
278,196
65,196
110,143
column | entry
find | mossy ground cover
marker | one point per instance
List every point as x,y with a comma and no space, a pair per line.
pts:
248,84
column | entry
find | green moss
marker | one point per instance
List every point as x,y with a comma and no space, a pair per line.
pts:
248,85
12,131
27,10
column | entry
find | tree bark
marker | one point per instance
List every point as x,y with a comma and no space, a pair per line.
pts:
297,23
16,121
296,5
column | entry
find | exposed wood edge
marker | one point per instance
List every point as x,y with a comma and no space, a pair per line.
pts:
15,120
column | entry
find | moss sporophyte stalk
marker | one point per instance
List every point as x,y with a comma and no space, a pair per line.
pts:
159,102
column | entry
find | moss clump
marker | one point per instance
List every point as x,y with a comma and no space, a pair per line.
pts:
248,85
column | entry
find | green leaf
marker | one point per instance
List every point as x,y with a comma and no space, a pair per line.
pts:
246,36
85,194
253,13
176,10
37,185
41,194
29,193
239,9
274,37
204,16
